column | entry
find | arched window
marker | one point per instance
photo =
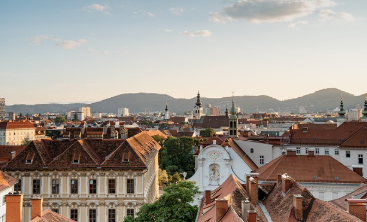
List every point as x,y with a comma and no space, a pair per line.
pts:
252,150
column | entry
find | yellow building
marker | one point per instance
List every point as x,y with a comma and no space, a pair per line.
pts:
89,179
15,133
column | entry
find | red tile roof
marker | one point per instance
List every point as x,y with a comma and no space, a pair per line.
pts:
214,122
6,181
16,125
50,216
325,169
359,193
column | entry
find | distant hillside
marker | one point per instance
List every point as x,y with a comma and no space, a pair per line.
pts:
322,100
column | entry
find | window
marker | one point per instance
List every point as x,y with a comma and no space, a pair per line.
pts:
130,186
55,210
93,186
252,150
317,150
326,151
111,186
55,186
18,186
74,214
336,151
130,212
261,160
74,186
36,186
4,200
347,154
360,158
111,215
306,150
92,215
298,150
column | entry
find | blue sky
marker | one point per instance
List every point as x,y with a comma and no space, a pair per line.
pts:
71,51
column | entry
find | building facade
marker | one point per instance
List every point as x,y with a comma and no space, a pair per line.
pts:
16,133
2,109
122,112
88,180
85,110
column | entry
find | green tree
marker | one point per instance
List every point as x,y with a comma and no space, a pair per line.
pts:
173,205
159,139
75,119
174,178
208,132
60,119
162,178
176,155
26,142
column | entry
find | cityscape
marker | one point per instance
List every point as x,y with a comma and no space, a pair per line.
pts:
183,111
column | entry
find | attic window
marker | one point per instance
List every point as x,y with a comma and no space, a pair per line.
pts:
125,157
76,158
29,158
315,177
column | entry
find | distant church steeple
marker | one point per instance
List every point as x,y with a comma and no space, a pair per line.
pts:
341,111
166,113
233,121
198,109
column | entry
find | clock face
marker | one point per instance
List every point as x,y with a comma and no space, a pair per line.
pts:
214,155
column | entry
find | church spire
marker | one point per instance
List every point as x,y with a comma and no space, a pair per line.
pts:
166,109
226,111
342,111
198,100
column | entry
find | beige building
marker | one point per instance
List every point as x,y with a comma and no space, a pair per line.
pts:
89,179
15,133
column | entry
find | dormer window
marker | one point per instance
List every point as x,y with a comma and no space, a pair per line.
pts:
76,158
29,158
125,157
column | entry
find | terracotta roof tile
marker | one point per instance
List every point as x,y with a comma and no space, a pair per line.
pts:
214,122
50,216
359,193
6,181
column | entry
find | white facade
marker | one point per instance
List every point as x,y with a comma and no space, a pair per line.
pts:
123,112
329,191
85,110
214,165
3,202
16,136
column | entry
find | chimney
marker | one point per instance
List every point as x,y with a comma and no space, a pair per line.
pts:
357,207
208,197
286,183
221,207
251,216
248,175
254,190
14,207
358,169
279,178
12,154
36,207
291,152
298,206
245,206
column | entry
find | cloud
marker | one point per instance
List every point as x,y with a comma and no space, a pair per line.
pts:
145,13
176,11
96,7
39,39
327,15
296,24
71,44
259,11
166,30
203,33
218,17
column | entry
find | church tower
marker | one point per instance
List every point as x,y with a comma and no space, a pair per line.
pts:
364,118
341,118
166,113
233,122
198,109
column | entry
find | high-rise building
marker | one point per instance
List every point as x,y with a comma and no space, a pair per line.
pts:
2,109
85,110
123,112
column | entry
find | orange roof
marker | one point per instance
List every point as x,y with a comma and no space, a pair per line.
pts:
325,169
359,193
50,216
6,181
16,125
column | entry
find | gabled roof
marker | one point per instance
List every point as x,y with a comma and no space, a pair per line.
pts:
16,125
50,216
357,140
242,154
6,181
88,152
325,169
359,193
214,122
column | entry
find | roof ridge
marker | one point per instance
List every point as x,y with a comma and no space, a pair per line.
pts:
90,152
278,162
35,143
56,157
355,133
46,149
113,152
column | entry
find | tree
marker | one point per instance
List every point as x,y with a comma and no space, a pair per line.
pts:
173,205
75,119
159,139
208,132
26,142
60,119
162,178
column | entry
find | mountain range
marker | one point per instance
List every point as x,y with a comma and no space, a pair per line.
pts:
319,101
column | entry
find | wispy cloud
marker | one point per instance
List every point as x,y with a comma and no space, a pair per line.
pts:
259,11
219,17
97,7
39,39
295,25
176,11
143,12
203,33
71,44
327,15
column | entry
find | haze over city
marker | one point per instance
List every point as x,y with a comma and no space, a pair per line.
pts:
77,51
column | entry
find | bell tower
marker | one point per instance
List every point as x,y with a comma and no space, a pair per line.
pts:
198,109
233,122
166,113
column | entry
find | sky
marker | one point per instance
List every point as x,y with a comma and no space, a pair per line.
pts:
84,51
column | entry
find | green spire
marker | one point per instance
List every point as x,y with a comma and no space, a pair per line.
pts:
342,111
233,110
